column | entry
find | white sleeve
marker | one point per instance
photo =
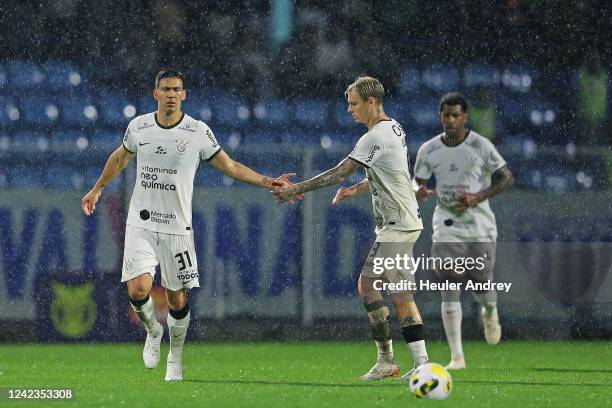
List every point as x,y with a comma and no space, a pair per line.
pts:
130,138
493,161
368,149
209,146
422,168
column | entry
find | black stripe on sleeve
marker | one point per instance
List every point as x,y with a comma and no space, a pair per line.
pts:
501,167
362,163
123,144
214,154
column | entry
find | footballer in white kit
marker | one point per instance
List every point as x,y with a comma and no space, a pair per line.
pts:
168,145
382,152
468,170
167,160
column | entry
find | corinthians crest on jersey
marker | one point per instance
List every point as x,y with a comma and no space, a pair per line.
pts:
181,146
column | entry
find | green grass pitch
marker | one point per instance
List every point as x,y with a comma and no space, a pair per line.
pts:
511,374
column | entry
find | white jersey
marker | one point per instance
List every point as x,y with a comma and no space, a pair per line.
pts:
166,161
383,152
467,166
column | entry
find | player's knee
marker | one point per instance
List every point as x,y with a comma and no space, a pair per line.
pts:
365,288
177,304
137,293
450,296
176,300
361,289
485,297
379,316
139,287
450,308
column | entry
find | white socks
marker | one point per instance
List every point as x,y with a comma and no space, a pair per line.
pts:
451,317
146,313
178,331
419,352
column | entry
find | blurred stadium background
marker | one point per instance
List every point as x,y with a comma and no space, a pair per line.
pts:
269,77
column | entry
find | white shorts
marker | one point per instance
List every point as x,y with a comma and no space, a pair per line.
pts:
145,249
389,244
456,250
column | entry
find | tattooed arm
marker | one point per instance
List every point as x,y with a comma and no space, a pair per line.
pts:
500,180
330,177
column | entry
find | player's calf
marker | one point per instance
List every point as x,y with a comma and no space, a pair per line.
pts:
178,323
452,316
145,309
379,318
490,323
413,335
412,326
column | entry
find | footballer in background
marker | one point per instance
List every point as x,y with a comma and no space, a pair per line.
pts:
468,171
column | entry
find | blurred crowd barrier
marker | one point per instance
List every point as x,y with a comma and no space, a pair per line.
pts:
262,260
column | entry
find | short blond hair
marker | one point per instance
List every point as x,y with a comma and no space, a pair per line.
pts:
367,86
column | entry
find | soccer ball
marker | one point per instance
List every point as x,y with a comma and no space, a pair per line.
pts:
431,381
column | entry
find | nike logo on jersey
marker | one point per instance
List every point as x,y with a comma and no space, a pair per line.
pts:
142,144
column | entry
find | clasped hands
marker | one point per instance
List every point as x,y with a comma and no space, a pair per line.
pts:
468,200
284,190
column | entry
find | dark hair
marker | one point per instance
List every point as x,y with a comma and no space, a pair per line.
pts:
168,73
452,99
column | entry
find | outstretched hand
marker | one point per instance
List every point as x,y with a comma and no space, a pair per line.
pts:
284,190
342,194
88,203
